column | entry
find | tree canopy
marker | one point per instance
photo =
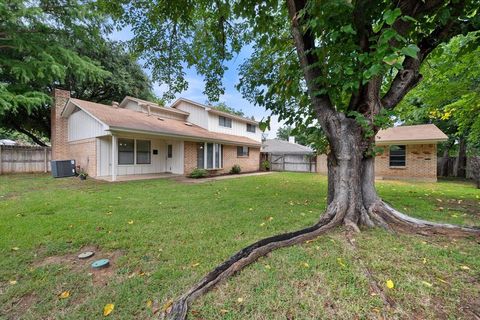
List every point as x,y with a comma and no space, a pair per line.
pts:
222,106
58,43
449,94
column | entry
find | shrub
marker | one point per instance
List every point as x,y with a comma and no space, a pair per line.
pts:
198,173
235,169
266,165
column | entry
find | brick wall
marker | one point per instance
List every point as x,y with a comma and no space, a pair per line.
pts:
84,152
421,163
190,154
247,164
59,133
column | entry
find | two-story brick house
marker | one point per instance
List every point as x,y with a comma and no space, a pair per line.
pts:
138,137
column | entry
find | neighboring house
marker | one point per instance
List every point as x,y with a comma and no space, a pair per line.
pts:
408,152
288,156
141,137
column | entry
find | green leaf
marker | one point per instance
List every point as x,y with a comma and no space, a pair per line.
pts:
411,50
391,15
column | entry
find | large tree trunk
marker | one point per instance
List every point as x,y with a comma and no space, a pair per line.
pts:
445,161
352,202
462,158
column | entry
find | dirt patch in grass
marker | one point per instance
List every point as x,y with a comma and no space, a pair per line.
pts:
18,307
468,206
100,277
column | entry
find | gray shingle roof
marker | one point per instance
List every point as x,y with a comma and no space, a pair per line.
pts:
278,146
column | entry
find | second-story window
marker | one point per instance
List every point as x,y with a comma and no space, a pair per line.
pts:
224,122
251,127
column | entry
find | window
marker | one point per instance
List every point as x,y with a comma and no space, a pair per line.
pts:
242,151
224,122
209,155
169,151
251,127
143,152
200,155
397,156
126,150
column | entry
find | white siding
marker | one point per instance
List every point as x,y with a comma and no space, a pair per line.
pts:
158,161
239,128
198,115
82,126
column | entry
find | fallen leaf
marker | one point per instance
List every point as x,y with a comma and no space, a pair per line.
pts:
340,262
465,268
441,280
262,224
167,307
250,209
223,311
149,304
195,264
424,260
306,265
15,248
130,222
240,300
267,266
428,284
108,309
12,282
390,284
64,295
270,218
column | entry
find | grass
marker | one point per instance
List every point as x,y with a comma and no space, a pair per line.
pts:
164,236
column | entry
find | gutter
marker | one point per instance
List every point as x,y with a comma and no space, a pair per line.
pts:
179,136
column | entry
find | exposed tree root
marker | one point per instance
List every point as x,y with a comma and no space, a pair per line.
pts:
379,214
397,220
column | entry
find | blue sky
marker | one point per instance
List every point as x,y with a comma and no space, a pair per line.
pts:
232,96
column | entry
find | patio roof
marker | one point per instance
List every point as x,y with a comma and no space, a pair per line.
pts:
121,119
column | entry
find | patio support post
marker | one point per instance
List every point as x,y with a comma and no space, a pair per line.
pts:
114,158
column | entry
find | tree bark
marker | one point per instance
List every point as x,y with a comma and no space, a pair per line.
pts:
461,162
445,161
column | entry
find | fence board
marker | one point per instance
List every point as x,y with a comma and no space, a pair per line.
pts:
17,159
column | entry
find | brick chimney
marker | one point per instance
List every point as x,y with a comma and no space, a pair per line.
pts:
59,134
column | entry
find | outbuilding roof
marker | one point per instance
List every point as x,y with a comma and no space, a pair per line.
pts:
122,119
422,133
277,146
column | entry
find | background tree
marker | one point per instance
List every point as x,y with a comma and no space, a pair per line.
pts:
222,106
343,64
449,97
59,43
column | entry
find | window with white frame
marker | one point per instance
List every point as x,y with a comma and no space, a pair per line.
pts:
131,151
242,151
143,152
251,127
224,122
209,155
126,151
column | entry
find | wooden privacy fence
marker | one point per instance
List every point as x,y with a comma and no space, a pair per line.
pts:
292,162
16,159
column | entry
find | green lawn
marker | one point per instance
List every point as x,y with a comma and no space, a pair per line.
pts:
163,236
